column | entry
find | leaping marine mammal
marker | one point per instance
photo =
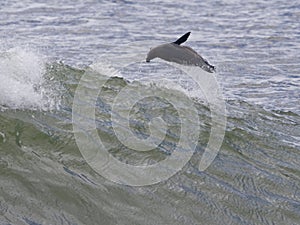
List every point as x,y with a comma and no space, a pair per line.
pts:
175,52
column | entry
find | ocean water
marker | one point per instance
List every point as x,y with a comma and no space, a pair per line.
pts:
48,51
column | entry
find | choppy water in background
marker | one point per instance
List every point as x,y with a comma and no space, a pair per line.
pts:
45,50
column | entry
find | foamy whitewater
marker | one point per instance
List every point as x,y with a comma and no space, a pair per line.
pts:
23,80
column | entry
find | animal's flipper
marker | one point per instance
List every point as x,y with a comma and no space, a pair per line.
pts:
182,39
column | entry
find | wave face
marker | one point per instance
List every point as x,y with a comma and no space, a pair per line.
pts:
256,168
45,53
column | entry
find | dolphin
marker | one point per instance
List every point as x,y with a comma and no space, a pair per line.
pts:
175,52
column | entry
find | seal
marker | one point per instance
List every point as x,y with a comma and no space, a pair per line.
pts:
175,52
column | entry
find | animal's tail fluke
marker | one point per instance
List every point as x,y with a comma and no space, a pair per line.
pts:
208,68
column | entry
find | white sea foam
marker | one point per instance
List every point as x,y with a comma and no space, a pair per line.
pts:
21,80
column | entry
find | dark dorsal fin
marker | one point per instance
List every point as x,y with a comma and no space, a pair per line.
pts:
182,39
